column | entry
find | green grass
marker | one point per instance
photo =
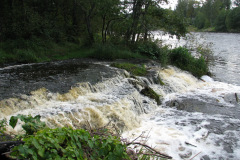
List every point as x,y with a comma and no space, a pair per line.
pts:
32,52
182,58
111,52
132,68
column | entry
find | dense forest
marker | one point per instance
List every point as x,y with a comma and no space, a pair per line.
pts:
219,15
39,29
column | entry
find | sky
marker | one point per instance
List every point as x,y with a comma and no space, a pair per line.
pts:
171,3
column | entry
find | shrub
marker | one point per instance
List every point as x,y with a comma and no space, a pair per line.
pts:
152,50
182,58
32,124
66,143
3,124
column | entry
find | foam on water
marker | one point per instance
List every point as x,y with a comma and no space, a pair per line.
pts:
182,127
183,134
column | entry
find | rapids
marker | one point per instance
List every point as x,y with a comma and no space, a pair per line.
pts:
196,118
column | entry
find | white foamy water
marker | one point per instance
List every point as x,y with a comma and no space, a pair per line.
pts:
197,118
201,133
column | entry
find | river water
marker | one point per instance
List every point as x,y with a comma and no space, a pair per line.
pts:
198,119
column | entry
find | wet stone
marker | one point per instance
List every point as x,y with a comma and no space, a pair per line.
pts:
228,148
205,158
186,155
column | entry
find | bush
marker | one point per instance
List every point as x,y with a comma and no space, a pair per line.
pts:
66,143
152,50
32,124
182,58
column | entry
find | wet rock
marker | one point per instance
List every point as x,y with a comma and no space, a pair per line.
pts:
232,98
127,74
149,92
181,148
205,157
186,155
228,148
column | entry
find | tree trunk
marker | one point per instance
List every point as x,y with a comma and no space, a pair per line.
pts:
103,29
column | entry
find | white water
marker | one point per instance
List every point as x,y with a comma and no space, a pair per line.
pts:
198,118
170,130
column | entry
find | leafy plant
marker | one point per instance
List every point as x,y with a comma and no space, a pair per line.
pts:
66,143
32,124
3,124
182,58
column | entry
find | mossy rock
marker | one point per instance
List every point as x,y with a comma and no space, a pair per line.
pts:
149,92
160,81
132,68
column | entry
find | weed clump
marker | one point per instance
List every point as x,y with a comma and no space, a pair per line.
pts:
67,143
132,68
152,50
182,58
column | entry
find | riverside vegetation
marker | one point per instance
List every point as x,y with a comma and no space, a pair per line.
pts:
40,142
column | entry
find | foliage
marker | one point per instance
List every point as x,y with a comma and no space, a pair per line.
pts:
182,58
233,20
200,21
152,50
220,22
112,52
216,14
3,124
32,124
66,143
132,68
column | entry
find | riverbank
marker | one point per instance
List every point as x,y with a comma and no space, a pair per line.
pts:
30,53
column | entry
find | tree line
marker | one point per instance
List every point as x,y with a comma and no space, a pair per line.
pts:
86,21
221,15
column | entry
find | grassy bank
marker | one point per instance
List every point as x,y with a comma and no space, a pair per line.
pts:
20,51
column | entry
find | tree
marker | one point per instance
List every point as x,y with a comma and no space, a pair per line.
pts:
233,20
221,21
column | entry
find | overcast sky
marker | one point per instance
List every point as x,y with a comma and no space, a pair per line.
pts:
171,3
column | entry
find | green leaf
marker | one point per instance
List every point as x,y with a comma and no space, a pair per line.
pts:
36,144
13,121
41,152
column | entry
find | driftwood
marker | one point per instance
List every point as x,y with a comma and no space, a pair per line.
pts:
154,152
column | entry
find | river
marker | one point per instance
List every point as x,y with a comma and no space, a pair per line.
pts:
198,119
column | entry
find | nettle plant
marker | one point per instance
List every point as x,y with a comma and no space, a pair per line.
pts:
42,143
67,143
32,124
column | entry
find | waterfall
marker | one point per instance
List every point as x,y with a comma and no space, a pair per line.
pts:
196,116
